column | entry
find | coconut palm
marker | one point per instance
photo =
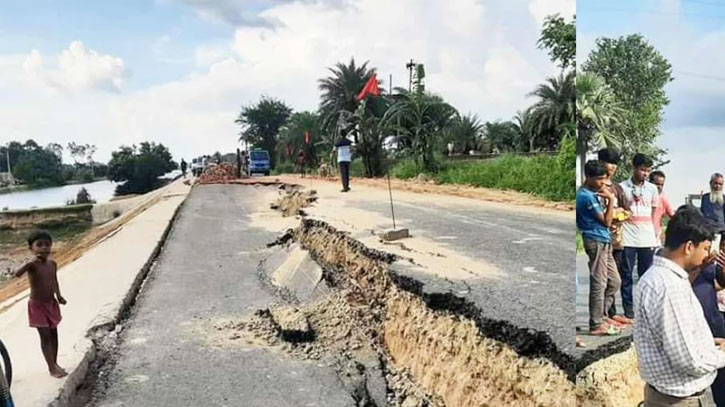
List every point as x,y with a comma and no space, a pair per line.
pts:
500,136
598,115
554,113
523,125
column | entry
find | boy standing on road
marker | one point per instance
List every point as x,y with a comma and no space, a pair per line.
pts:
43,306
593,219
640,241
183,167
664,207
344,158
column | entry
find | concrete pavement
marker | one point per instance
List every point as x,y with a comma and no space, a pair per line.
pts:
208,271
96,287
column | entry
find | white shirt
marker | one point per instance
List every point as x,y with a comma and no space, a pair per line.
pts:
639,229
675,348
344,154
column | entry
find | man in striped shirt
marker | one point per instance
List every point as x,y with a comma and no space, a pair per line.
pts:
677,354
638,232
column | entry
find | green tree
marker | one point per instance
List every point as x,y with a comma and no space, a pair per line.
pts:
419,119
37,166
598,116
139,167
554,113
501,136
559,38
637,74
292,134
524,127
465,133
261,123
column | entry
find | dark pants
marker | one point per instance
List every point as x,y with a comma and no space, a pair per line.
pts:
718,388
618,257
603,280
345,174
643,257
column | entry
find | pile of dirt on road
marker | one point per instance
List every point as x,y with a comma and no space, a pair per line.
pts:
218,174
611,382
293,201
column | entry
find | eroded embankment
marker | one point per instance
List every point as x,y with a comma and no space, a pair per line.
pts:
612,381
449,349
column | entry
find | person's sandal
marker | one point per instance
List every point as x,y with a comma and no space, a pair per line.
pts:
623,320
605,330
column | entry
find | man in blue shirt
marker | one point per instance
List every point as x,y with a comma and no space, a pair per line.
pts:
594,215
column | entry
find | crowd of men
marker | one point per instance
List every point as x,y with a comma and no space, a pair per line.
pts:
676,309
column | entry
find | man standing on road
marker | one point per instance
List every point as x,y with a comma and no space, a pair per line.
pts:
183,167
712,203
344,158
638,232
594,221
678,357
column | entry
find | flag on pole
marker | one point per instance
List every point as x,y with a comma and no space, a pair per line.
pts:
307,137
370,88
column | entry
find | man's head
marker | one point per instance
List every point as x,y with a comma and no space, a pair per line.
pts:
716,181
658,178
642,166
596,175
40,243
688,238
610,158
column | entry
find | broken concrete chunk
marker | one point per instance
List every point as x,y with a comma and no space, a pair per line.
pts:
293,325
395,234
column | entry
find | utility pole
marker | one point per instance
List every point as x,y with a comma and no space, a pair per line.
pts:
410,65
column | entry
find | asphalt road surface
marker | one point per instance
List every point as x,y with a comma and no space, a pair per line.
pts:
536,254
208,269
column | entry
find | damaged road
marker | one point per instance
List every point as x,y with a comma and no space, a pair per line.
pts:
320,318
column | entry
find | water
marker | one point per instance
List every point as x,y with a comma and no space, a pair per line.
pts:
101,191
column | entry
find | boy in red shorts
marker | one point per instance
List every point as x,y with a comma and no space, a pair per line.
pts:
43,308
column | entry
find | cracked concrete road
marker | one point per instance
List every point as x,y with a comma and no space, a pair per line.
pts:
207,270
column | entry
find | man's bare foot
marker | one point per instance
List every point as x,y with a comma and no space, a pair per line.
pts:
58,373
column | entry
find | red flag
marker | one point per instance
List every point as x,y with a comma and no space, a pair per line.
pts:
370,88
307,137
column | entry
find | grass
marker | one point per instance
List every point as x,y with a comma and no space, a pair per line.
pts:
579,242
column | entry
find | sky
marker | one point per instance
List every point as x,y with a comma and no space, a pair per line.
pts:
116,73
690,34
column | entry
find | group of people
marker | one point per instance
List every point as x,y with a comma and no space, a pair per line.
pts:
676,308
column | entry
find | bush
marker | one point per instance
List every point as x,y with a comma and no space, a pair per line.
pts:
406,169
83,197
548,177
284,167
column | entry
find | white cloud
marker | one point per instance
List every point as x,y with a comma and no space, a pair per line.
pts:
539,9
473,60
78,69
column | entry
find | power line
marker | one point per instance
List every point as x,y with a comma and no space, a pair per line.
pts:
660,12
701,76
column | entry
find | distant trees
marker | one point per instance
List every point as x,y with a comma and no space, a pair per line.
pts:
139,167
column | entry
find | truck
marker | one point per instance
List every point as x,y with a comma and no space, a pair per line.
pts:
259,162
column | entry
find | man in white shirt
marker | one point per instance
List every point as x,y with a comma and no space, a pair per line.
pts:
638,232
677,354
344,158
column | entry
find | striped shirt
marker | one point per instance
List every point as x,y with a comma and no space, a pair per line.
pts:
675,349
639,229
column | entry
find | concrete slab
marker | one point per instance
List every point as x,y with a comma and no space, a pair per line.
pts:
96,286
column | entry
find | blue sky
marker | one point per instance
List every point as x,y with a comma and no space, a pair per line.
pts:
114,73
691,35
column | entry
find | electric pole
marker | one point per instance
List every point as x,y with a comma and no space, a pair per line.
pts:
410,65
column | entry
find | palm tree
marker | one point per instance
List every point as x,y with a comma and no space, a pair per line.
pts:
340,89
292,135
464,133
598,115
553,114
501,135
523,125
418,118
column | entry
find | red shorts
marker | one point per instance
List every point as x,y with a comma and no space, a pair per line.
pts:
43,314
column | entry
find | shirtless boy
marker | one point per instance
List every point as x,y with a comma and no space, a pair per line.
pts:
43,308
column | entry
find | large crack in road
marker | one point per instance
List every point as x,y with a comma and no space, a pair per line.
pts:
341,305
